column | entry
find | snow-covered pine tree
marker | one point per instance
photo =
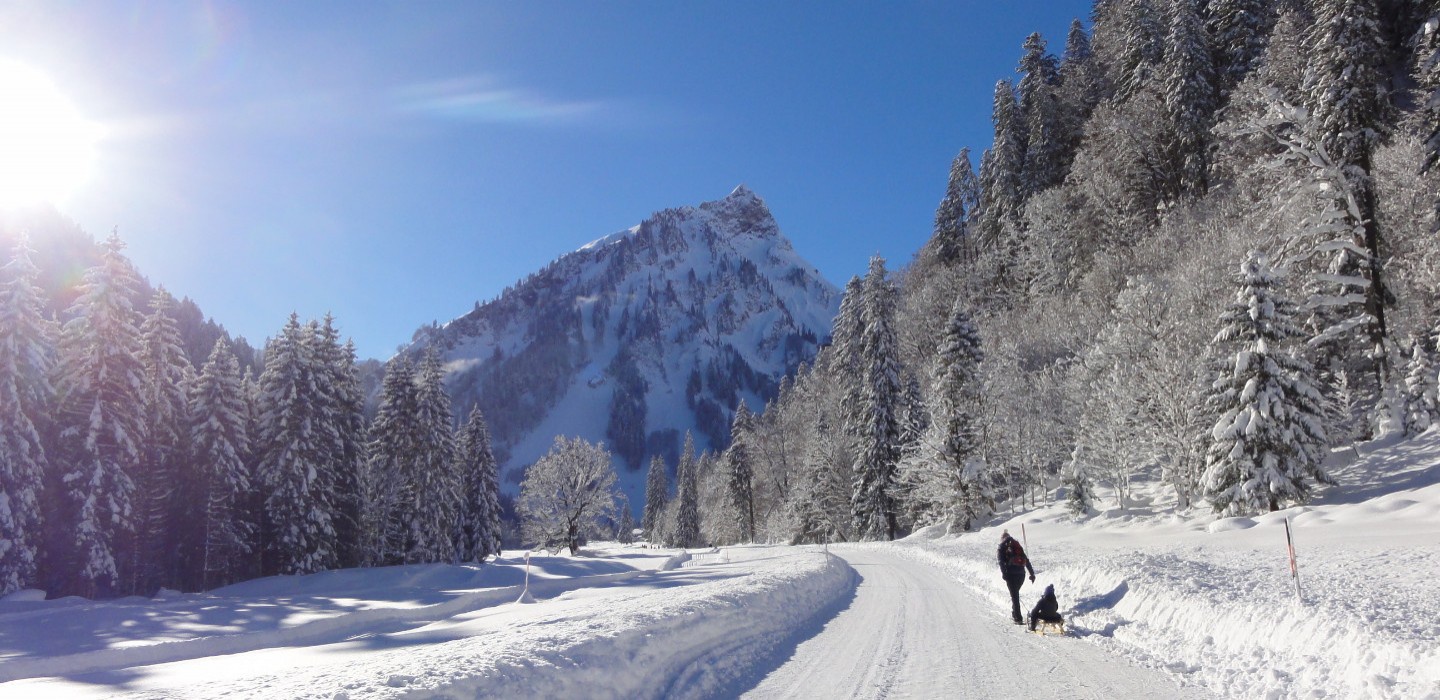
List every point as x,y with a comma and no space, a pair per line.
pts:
1346,408
914,415
876,414
657,493
1426,43
944,480
478,527
1421,407
957,365
687,516
1187,80
1040,109
1079,490
1387,415
740,473
299,527
849,322
1346,83
1081,87
1426,64
222,535
101,426
1143,34
956,428
340,402
162,507
1002,171
625,529
1327,244
26,345
437,486
1283,66
844,351
952,217
820,501
252,503
1268,445
1238,31
1107,41
1239,156
394,444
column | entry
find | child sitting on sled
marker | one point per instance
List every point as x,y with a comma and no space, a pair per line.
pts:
1047,610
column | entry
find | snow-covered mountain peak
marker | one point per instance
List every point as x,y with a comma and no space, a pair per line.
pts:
742,211
641,335
743,193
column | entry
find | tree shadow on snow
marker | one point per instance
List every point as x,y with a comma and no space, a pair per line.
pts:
1104,601
120,679
1382,468
1094,603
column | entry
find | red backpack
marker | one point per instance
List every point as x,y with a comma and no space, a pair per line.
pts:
1014,554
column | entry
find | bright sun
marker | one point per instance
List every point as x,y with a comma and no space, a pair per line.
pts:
46,148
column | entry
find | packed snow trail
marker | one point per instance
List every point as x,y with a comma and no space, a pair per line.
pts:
913,631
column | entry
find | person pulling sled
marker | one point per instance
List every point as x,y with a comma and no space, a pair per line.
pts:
1013,565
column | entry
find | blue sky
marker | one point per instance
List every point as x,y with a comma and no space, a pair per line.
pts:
392,163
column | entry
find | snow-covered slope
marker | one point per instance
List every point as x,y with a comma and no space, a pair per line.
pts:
1212,600
640,336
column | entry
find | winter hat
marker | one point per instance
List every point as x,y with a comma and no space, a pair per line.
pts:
1050,589
1004,534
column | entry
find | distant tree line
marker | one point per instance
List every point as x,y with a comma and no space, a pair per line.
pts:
125,467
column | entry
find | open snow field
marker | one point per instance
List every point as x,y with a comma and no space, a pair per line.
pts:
622,624
1159,605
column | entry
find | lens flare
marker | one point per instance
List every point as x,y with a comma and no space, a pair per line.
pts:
47,148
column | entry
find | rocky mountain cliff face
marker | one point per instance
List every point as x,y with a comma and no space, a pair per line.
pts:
640,336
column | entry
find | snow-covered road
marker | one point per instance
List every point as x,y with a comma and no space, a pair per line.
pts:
913,631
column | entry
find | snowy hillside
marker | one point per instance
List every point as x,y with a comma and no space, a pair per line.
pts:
640,336
1213,601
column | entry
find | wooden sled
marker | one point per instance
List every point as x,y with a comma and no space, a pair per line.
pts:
1042,628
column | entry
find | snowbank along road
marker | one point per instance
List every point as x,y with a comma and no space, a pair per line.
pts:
912,631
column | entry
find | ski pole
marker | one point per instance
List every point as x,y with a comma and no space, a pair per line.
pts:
1024,538
1294,570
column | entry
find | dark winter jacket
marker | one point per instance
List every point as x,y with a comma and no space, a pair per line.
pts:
1048,608
1013,562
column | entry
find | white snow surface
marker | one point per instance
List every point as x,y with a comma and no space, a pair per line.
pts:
624,623
1213,601
1158,605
